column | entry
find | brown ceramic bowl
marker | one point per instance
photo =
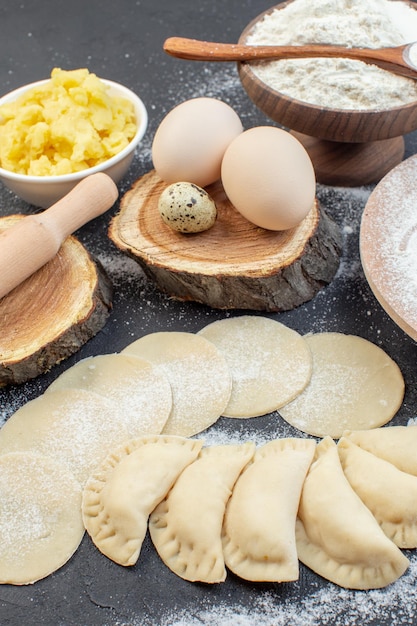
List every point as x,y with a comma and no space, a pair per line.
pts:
340,141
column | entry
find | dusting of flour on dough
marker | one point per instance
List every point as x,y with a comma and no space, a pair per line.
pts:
394,224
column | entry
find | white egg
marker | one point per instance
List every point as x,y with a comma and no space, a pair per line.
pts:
190,142
187,208
269,178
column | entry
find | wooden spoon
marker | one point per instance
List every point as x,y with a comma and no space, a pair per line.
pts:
34,240
397,60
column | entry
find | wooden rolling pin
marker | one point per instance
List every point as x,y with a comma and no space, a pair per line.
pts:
35,239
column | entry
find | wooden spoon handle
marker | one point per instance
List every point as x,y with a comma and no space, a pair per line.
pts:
391,59
34,240
195,50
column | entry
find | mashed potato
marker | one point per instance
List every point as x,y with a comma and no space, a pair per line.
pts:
66,125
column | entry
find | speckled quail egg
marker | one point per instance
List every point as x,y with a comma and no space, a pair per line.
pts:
187,208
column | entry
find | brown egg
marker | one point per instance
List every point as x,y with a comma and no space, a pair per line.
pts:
190,142
269,177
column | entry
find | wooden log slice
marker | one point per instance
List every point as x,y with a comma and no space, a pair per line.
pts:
52,313
234,264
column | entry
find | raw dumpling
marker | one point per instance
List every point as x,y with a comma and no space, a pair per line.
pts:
270,363
40,517
120,495
337,535
354,385
141,392
259,524
389,493
396,444
200,378
186,527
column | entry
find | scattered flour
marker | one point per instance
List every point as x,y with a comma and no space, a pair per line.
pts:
326,606
263,429
352,23
120,268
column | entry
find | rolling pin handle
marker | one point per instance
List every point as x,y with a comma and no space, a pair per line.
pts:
34,240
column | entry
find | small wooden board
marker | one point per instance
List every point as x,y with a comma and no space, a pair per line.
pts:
234,264
52,313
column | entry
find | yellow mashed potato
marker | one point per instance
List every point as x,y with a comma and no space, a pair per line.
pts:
66,125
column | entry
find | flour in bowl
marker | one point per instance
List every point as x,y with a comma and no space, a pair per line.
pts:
346,83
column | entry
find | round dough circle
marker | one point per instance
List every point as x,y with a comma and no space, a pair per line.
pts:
72,426
140,390
355,385
40,517
199,376
270,363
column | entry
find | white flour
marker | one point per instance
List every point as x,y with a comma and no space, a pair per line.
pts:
328,605
348,84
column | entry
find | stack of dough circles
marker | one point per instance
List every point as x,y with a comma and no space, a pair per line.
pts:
199,375
140,390
270,363
354,385
40,523
72,426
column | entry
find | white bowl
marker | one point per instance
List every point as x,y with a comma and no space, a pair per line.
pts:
43,191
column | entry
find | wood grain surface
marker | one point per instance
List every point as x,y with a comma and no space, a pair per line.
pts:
234,264
52,313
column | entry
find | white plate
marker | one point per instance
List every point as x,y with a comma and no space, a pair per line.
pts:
388,244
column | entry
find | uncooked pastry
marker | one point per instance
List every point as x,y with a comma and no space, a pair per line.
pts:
73,426
259,524
270,363
389,493
199,376
120,495
186,527
40,517
396,444
354,385
140,390
337,535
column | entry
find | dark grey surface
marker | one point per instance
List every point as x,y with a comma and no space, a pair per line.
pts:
122,40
